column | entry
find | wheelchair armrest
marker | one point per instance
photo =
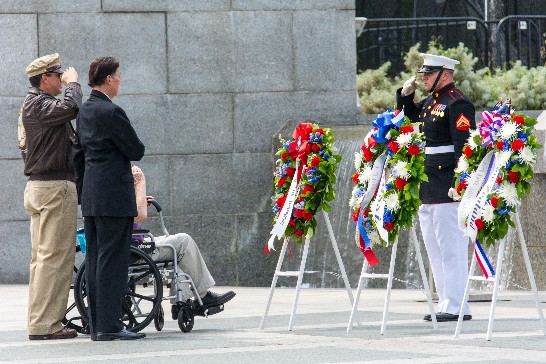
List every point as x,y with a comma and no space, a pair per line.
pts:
155,203
140,231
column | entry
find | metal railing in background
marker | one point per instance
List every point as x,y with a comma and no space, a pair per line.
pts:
520,37
495,43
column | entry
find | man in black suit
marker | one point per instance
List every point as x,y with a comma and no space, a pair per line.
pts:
107,143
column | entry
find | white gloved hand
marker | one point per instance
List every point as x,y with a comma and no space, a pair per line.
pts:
409,87
452,193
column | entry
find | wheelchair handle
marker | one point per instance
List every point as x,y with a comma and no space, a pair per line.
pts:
156,204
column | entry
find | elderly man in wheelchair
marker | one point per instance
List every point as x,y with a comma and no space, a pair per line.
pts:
173,260
188,256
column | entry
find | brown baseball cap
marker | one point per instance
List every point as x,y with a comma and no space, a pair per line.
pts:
46,64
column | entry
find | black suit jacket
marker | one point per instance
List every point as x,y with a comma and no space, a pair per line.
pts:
106,144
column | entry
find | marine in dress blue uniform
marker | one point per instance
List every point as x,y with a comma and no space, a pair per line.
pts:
445,117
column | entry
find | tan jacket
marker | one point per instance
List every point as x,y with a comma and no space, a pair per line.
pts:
48,133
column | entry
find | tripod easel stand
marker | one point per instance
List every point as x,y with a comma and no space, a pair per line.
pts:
279,273
495,279
389,276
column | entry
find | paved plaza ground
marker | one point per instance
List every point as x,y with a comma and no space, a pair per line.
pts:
319,334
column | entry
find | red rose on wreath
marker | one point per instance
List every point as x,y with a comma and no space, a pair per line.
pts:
498,180
315,161
400,183
519,119
517,145
467,151
372,142
298,232
307,188
479,224
355,177
307,215
290,171
315,148
393,146
513,177
500,145
292,222
298,213
281,181
494,201
280,201
354,215
388,226
406,129
413,150
368,155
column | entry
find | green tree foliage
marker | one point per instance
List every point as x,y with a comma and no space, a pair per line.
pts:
526,86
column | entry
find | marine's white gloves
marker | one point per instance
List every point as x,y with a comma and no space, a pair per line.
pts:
452,193
409,87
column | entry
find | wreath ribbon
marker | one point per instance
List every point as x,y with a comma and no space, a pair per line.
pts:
481,184
286,212
375,179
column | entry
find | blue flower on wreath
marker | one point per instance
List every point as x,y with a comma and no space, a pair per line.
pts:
359,192
388,216
388,186
463,176
504,209
523,137
276,208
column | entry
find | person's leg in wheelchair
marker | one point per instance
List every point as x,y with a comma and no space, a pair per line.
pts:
191,262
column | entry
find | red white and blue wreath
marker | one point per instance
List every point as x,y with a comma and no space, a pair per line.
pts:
304,179
389,169
493,175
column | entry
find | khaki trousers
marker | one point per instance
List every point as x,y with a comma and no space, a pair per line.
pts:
52,206
189,261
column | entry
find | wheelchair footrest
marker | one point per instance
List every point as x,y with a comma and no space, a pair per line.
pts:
211,310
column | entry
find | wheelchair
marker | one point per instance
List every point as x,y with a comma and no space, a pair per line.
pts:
144,293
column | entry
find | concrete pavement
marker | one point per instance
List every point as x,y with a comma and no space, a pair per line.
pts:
319,334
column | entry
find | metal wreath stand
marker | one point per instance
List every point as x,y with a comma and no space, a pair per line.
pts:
365,275
279,273
496,278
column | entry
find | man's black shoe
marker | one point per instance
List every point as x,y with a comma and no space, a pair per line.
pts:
444,317
215,299
122,335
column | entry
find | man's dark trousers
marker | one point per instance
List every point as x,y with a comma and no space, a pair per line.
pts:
110,239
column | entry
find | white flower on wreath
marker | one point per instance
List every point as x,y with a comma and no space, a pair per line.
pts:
471,141
358,159
374,237
404,139
503,157
487,213
462,164
400,169
366,175
353,200
508,130
509,193
391,202
526,154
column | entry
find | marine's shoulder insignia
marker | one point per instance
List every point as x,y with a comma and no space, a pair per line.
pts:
462,123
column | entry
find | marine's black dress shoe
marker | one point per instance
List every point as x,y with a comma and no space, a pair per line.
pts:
444,316
122,335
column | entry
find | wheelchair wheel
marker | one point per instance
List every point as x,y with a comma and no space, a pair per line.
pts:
159,319
73,319
185,319
143,296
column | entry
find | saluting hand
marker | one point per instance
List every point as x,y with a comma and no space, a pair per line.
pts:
409,87
69,75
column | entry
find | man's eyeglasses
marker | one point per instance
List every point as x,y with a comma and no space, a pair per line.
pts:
50,74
